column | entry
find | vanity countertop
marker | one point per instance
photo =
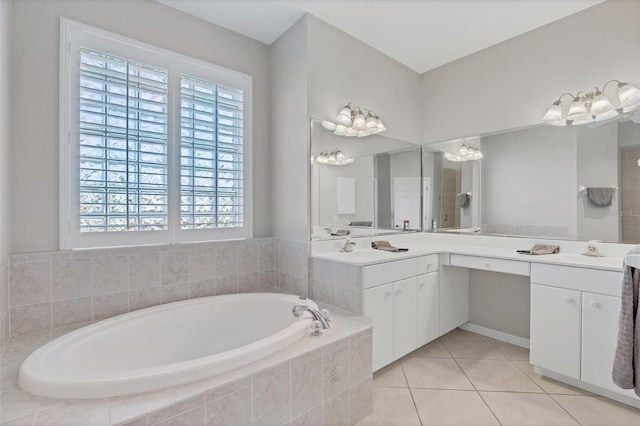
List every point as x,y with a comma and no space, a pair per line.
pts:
366,257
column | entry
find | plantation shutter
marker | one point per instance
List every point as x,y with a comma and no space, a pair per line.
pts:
211,147
123,160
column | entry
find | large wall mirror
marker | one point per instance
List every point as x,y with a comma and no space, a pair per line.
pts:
363,186
575,182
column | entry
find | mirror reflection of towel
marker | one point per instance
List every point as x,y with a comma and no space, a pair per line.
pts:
386,246
463,200
541,249
601,197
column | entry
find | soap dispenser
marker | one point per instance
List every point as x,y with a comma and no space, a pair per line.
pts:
592,249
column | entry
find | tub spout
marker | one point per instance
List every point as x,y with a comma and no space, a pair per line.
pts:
317,316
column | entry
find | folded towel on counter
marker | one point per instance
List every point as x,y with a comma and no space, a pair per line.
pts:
541,249
601,197
386,246
463,200
626,364
340,233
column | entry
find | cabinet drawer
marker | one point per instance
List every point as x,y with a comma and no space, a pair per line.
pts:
584,279
428,264
388,272
490,264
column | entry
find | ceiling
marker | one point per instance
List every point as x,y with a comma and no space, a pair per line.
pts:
421,34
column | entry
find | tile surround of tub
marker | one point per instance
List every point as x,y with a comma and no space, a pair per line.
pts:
325,380
338,284
55,289
292,266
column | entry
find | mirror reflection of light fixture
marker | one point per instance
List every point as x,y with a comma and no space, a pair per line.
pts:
333,157
594,107
466,152
353,121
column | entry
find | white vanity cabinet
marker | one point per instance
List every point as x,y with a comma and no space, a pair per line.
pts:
402,302
574,323
555,329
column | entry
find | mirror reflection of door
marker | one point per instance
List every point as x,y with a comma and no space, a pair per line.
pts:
451,183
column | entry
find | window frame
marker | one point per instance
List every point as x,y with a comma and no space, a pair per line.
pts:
73,36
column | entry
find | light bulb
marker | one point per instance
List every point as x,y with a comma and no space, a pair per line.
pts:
351,132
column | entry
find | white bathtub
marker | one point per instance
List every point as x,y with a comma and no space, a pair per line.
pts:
164,345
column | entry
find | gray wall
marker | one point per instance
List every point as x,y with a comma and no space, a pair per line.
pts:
289,137
500,301
5,163
513,83
35,72
529,180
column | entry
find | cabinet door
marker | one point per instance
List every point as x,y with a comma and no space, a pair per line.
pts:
404,317
599,338
555,329
428,308
378,307
454,298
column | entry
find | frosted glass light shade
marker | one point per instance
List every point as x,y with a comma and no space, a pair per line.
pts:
340,130
344,116
554,113
329,125
559,123
381,127
629,97
358,121
577,110
601,108
370,122
586,119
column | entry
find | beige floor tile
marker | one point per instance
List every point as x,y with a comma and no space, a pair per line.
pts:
459,333
471,345
512,352
497,375
435,373
391,406
597,411
548,385
452,407
526,409
435,349
15,403
390,376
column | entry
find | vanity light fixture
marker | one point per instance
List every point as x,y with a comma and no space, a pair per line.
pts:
467,152
594,106
352,121
333,157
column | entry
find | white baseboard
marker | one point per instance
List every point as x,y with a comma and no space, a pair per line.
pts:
495,334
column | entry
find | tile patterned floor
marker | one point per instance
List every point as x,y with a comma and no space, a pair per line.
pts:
468,379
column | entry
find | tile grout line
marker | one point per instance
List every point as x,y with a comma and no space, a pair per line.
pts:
473,384
415,406
563,409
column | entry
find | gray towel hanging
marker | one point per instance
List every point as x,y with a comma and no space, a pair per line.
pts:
601,197
464,200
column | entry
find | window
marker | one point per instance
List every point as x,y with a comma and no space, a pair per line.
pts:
155,147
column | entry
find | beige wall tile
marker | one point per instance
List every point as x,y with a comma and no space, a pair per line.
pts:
248,258
201,264
226,261
175,292
360,362
71,311
174,267
140,299
201,288
232,409
248,283
312,417
109,274
226,285
336,410
335,371
271,399
361,400
30,318
227,389
306,386
267,279
144,270
70,278
175,409
194,417
30,283
110,305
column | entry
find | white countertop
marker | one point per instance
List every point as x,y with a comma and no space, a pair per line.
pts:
369,256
